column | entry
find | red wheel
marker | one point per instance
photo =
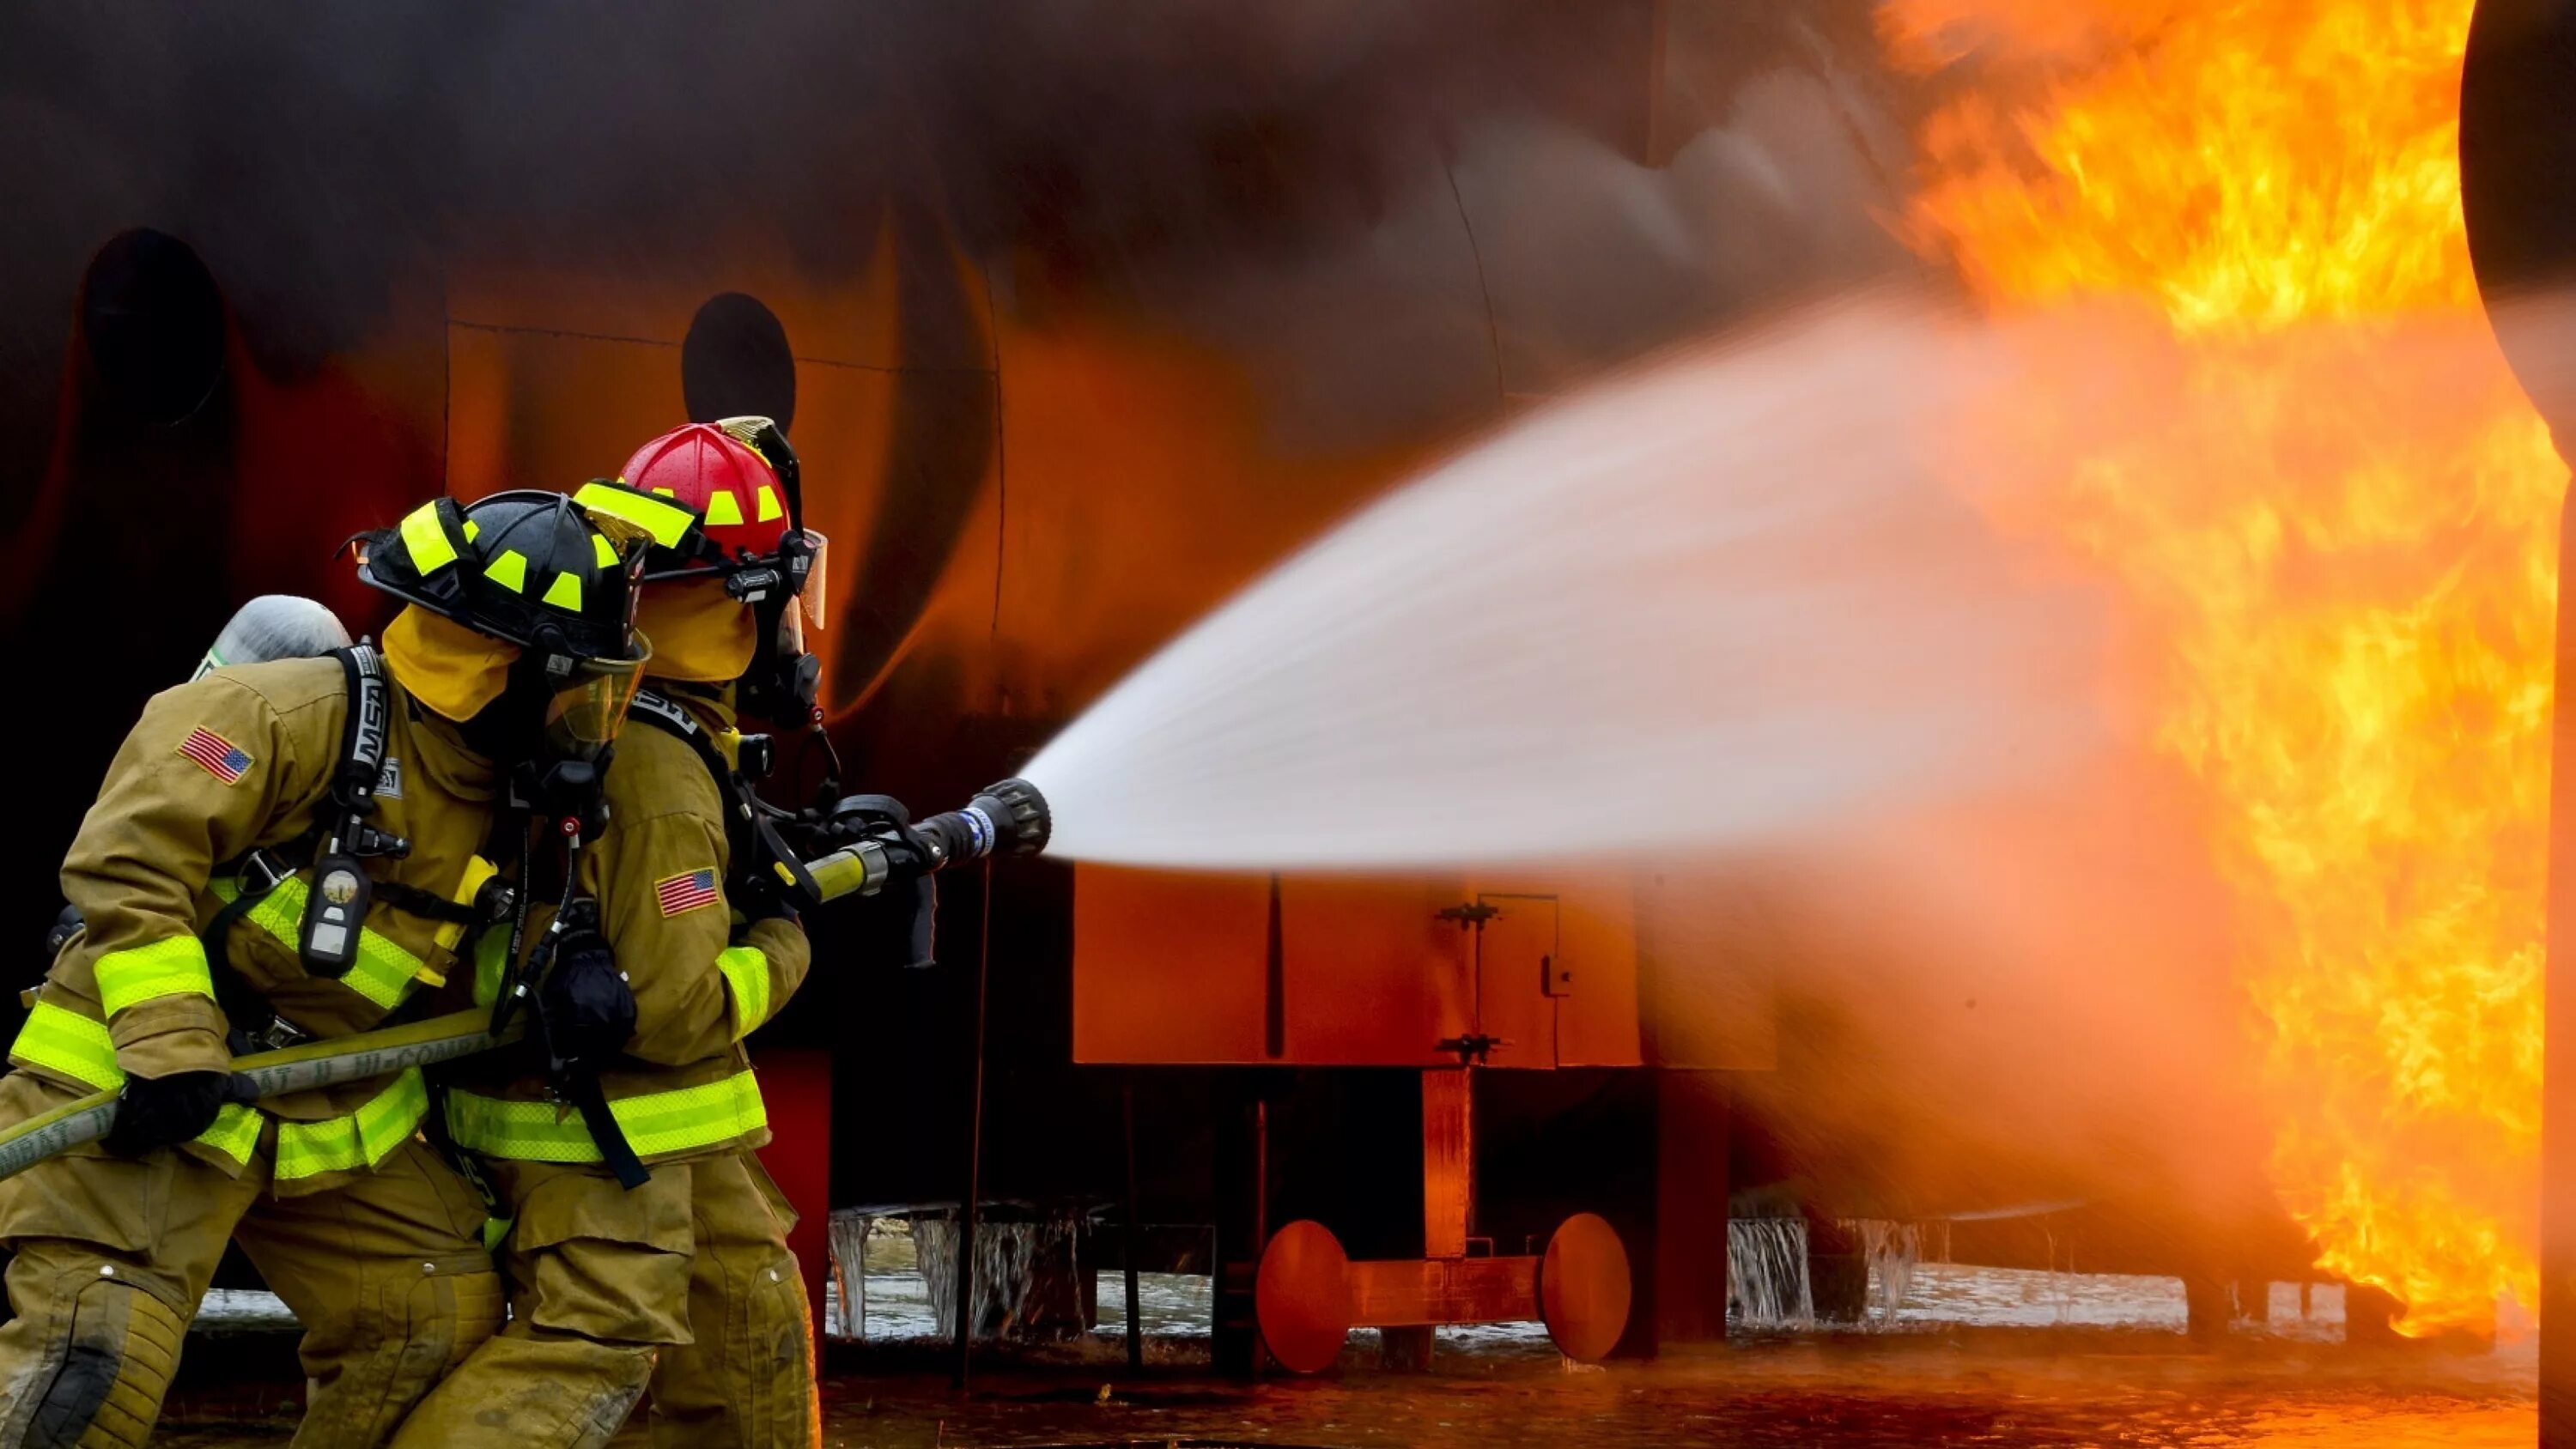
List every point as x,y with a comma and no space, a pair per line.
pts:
1583,1288
1302,1297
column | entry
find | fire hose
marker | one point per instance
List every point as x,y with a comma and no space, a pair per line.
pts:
298,1068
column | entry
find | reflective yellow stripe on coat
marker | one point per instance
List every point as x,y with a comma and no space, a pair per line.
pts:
384,973
62,1040
359,1140
746,974
655,1122
172,966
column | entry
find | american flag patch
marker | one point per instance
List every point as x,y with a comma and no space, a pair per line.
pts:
221,758
686,892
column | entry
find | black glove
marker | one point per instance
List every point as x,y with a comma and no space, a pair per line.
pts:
585,1009
159,1111
757,898
66,926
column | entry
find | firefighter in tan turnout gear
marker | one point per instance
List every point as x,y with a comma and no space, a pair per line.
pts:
283,850
657,1251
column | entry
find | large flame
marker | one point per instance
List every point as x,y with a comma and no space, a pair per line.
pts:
2333,515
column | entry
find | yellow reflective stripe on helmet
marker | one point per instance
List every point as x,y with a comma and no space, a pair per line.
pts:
510,571
746,972
667,523
604,551
384,973
473,530
723,507
63,1040
565,592
655,1122
235,1133
768,507
426,540
361,1139
171,966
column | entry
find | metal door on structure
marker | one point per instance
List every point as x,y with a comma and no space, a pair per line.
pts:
1521,975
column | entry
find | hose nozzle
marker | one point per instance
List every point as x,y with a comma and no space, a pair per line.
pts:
1008,818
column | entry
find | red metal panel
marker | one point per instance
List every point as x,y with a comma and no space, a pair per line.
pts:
1374,977
1168,968
1409,1292
796,1086
1516,951
1448,1160
1175,968
1596,975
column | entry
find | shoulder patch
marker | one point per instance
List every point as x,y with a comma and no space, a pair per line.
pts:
218,756
688,891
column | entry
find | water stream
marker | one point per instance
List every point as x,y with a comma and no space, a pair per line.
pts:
1716,599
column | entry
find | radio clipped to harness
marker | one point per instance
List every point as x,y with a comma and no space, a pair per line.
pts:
337,906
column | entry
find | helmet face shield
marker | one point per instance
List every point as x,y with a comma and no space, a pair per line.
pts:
588,708
812,596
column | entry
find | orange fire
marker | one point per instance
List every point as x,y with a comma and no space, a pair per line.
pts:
2331,516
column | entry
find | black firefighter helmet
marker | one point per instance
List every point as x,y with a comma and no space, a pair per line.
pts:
526,566
536,570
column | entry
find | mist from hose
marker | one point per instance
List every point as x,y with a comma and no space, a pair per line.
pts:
1718,600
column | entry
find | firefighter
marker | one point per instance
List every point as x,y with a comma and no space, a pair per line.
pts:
300,842
679,1274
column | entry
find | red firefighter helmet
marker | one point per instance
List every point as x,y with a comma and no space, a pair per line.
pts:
721,502
739,516
743,508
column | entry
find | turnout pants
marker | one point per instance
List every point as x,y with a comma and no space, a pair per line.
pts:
685,1283
746,1381
599,1290
112,1254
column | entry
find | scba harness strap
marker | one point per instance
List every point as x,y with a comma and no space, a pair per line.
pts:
328,937
741,819
341,889
758,858
325,919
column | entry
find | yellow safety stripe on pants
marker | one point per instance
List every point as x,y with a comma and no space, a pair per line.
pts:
171,966
746,972
65,1041
384,973
361,1139
655,1122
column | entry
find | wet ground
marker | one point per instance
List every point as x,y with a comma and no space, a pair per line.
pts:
1991,1388
1971,1356
2025,1388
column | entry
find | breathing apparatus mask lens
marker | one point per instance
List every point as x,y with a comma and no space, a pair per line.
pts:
588,706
